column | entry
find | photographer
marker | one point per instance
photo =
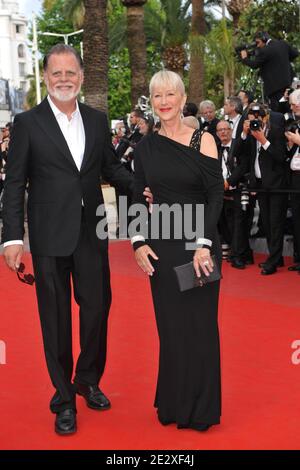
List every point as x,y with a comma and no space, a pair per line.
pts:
293,137
273,58
128,142
233,225
263,140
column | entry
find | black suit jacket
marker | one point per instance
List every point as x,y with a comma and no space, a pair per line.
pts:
237,163
273,60
272,161
39,154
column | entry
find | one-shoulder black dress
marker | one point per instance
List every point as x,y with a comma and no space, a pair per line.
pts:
188,387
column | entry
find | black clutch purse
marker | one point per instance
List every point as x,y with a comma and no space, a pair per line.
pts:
187,278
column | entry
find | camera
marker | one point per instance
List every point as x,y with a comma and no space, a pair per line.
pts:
255,125
291,124
250,48
257,110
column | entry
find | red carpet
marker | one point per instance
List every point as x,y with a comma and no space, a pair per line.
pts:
259,320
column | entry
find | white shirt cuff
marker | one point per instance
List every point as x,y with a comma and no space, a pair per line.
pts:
204,241
13,242
137,238
266,145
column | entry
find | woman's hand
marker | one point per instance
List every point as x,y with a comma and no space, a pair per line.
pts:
202,258
142,258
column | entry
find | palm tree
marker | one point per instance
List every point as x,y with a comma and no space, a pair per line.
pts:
95,52
136,43
196,75
175,34
236,8
74,9
219,46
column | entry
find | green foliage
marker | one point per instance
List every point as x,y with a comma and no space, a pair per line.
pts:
280,18
176,22
218,59
119,77
53,20
119,84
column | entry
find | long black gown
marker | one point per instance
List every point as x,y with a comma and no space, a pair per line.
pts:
188,387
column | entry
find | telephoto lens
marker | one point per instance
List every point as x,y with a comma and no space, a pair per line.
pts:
244,199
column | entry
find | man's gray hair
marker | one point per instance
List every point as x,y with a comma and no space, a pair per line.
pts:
205,104
62,49
237,103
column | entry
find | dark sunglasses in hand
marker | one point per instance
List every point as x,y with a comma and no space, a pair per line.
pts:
26,278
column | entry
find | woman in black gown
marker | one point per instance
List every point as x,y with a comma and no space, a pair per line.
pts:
181,166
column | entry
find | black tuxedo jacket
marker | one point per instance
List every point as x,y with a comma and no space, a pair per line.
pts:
133,139
273,60
237,163
211,127
272,161
39,154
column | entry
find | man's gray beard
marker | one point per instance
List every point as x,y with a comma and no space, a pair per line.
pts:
59,96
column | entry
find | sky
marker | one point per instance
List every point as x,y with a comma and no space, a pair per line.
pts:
29,6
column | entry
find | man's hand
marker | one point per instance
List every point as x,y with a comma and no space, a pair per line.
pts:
246,127
4,145
260,136
244,54
226,185
293,137
13,255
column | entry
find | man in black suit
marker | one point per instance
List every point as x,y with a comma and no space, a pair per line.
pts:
62,148
233,224
265,145
233,110
273,58
294,173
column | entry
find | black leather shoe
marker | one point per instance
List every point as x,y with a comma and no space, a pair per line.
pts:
280,264
237,263
95,399
268,270
65,422
248,259
296,267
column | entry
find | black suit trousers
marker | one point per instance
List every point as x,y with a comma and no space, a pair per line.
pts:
273,207
240,229
295,205
89,271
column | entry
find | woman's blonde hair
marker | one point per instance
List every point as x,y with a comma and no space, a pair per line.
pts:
166,78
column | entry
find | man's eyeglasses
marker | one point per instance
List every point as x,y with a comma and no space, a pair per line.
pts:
26,278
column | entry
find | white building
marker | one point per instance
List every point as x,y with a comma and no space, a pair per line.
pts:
15,59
